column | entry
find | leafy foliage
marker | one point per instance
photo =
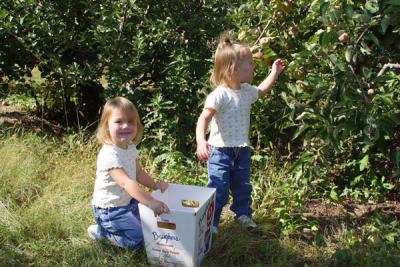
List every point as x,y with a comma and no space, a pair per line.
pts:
331,115
332,121
84,52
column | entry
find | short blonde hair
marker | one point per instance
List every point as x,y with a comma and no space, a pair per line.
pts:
227,55
102,132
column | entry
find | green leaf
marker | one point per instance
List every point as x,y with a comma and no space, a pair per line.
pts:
385,23
300,130
333,58
348,54
298,175
374,39
364,163
3,14
386,98
388,186
334,195
396,157
391,237
356,180
327,38
372,6
323,8
257,157
349,12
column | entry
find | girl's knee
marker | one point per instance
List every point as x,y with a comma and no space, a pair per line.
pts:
129,242
135,245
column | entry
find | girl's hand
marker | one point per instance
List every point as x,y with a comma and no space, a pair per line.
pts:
158,207
160,185
202,151
278,66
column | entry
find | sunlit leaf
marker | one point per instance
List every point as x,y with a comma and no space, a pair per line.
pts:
333,195
364,163
348,54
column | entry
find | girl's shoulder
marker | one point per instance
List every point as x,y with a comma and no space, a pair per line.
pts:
220,91
250,90
107,150
216,93
248,87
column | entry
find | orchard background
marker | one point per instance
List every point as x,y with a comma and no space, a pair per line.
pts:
329,133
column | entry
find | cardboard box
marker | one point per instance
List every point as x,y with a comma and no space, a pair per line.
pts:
182,237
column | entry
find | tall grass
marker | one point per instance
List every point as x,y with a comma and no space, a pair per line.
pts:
45,192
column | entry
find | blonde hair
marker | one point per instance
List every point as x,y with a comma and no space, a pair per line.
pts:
227,55
102,132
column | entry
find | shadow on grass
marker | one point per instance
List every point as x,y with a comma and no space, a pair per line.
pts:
235,246
366,254
103,253
334,244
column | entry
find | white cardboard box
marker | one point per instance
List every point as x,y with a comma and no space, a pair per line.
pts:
182,237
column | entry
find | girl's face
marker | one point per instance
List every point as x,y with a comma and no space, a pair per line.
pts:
245,69
122,128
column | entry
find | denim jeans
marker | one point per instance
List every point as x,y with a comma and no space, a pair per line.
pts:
229,171
120,225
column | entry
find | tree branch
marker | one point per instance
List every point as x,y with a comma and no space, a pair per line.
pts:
262,33
121,30
358,81
388,65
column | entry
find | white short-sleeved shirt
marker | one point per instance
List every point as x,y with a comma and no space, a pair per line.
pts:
231,122
107,193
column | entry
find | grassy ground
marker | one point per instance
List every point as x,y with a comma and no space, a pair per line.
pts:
45,192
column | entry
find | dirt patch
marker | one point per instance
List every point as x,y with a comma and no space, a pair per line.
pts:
14,118
330,218
318,209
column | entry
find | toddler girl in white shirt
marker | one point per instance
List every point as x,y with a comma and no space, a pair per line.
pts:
118,175
228,108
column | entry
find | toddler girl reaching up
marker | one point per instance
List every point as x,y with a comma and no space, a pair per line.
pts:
227,149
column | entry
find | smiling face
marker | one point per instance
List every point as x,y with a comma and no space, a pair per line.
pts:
122,127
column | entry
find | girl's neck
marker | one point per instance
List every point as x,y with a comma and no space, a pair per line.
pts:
120,145
234,85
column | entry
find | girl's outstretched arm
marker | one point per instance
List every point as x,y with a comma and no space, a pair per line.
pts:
266,85
201,127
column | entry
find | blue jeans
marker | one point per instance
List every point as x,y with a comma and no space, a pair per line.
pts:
120,225
229,170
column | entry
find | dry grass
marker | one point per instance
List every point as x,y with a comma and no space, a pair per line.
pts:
45,192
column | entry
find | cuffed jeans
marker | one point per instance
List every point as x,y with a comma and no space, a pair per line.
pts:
229,170
120,225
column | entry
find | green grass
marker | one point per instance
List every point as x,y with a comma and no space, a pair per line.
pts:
45,192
